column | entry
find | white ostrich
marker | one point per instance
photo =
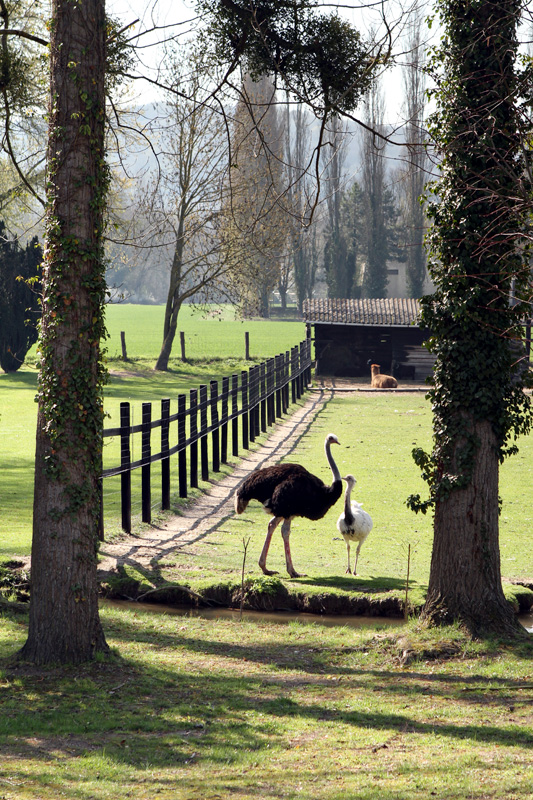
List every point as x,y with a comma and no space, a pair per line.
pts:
354,523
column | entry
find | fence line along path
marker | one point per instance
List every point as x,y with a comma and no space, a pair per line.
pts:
145,550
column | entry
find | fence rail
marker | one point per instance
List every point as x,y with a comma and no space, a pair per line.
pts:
237,408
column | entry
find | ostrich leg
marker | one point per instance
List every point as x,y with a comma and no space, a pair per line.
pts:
286,532
348,571
356,557
272,525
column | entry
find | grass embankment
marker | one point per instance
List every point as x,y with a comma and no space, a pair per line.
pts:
220,709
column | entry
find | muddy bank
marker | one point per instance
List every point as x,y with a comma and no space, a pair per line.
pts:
272,594
279,598
258,594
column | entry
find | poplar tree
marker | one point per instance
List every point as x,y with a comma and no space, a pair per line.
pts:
374,201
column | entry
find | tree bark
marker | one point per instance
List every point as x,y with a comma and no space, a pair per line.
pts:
476,262
465,579
174,297
64,622
169,333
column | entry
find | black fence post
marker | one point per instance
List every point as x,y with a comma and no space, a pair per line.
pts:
271,415
182,453
244,409
224,425
278,385
294,374
257,406
263,396
203,433
251,403
234,414
215,436
146,501
193,420
125,460
101,512
301,368
165,458
286,360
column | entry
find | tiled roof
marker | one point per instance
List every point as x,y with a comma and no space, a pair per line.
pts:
371,311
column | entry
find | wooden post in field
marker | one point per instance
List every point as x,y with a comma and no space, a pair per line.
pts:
123,346
182,345
204,465
247,346
234,414
193,450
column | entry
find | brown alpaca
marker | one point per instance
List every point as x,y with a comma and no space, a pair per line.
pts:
381,381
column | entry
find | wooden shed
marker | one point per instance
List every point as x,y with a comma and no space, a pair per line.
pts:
349,333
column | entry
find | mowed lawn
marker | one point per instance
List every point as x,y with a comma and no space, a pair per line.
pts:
196,709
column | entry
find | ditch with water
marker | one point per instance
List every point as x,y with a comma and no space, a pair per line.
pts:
281,617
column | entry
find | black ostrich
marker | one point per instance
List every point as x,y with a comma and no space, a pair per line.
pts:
288,491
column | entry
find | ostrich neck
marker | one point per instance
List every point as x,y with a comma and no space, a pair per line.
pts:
331,462
347,500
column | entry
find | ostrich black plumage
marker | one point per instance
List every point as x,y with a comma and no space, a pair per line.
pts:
288,491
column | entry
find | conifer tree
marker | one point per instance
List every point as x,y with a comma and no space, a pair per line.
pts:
19,299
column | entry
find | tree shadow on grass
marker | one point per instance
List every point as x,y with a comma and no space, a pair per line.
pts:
164,715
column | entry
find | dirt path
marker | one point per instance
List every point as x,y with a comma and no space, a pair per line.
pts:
205,514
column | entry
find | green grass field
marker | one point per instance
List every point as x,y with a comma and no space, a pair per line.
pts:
196,709
377,433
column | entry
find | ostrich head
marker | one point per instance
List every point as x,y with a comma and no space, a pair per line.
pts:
331,439
350,480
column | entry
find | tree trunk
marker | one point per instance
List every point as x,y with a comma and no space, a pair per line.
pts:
465,580
169,332
174,300
64,622
264,304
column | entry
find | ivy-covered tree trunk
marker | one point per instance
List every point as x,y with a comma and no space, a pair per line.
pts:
64,622
478,399
465,579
